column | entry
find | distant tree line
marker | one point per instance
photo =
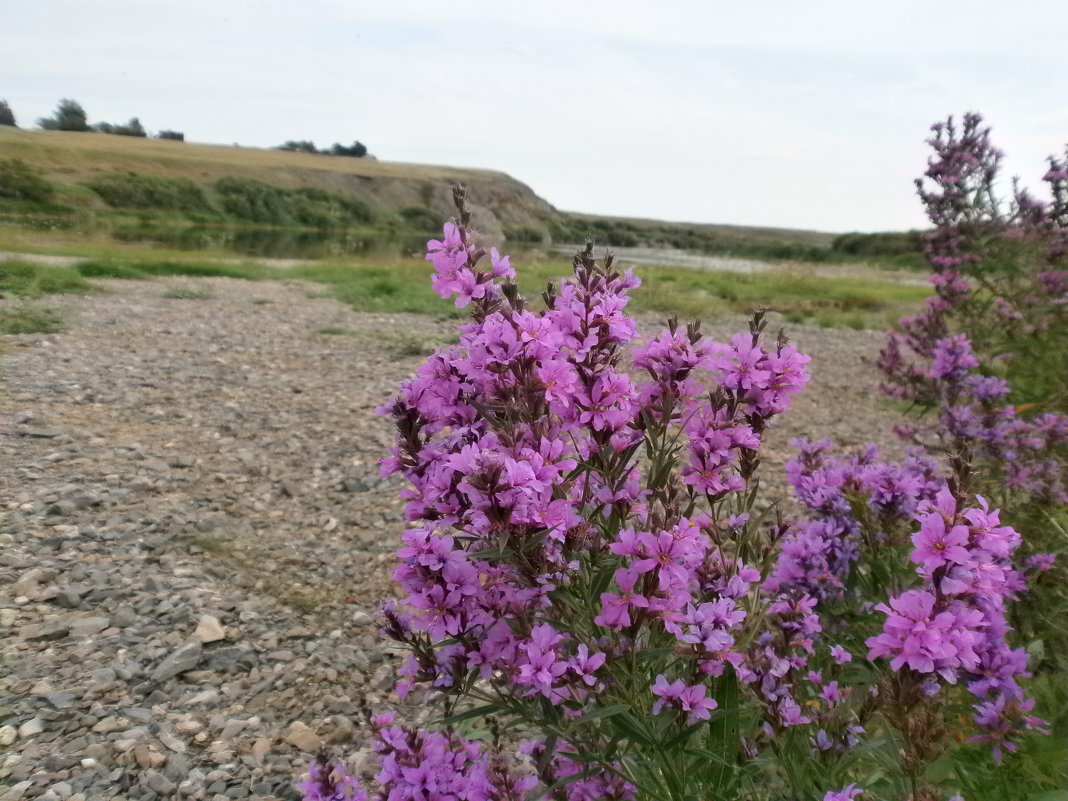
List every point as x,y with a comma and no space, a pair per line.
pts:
356,150
70,116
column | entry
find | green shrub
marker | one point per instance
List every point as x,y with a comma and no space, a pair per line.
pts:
299,146
131,190
30,320
255,201
524,233
26,279
20,181
420,218
132,128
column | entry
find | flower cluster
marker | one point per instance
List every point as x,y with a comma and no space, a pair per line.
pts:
523,437
954,627
585,555
564,515
988,257
976,422
330,782
842,497
441,765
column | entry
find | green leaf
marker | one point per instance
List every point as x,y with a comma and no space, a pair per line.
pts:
632,729
604,712
470,714
724,728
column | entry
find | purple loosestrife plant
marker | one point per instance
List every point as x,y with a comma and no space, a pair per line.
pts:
586,567
987,358
580,555
988,351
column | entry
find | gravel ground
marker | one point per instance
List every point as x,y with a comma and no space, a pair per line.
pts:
195,536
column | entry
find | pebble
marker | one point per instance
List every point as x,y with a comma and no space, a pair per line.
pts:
30,728
184,658
209,629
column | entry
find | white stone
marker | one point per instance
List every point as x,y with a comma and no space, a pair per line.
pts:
31,727
209,629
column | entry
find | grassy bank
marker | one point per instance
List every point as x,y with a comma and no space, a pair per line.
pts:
402,285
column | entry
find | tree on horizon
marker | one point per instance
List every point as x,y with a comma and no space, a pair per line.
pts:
69,116
7,116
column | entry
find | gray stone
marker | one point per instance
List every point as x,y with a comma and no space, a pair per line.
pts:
63,699
54,629
68,598
184,657
30,728
29,584
232,659
159,784
87,626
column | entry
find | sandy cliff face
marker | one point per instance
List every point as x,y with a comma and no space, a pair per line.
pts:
497,200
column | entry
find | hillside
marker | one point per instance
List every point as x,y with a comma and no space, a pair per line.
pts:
498,200
69,159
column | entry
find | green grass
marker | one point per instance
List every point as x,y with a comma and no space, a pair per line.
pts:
188,293
404,343
29,280
145,268
830,302
403,286
28,319
332,330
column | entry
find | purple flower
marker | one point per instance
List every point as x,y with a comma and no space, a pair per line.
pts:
847,793
926,641
938,545
840,655
329,782
678,695
615,609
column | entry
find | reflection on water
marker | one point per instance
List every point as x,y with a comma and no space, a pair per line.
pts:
257,242
274,243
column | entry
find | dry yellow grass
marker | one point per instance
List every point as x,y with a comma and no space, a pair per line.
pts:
71,157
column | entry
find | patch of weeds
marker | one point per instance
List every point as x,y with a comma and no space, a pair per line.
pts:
218,544
30,280
332,330
408,344
30,320
102,268
188,293
144,268
298,599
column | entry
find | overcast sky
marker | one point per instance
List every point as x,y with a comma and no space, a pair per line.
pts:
793,113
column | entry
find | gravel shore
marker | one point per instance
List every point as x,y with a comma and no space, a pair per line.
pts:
195,537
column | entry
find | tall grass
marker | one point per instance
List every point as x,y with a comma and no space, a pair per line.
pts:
403,286
29,280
